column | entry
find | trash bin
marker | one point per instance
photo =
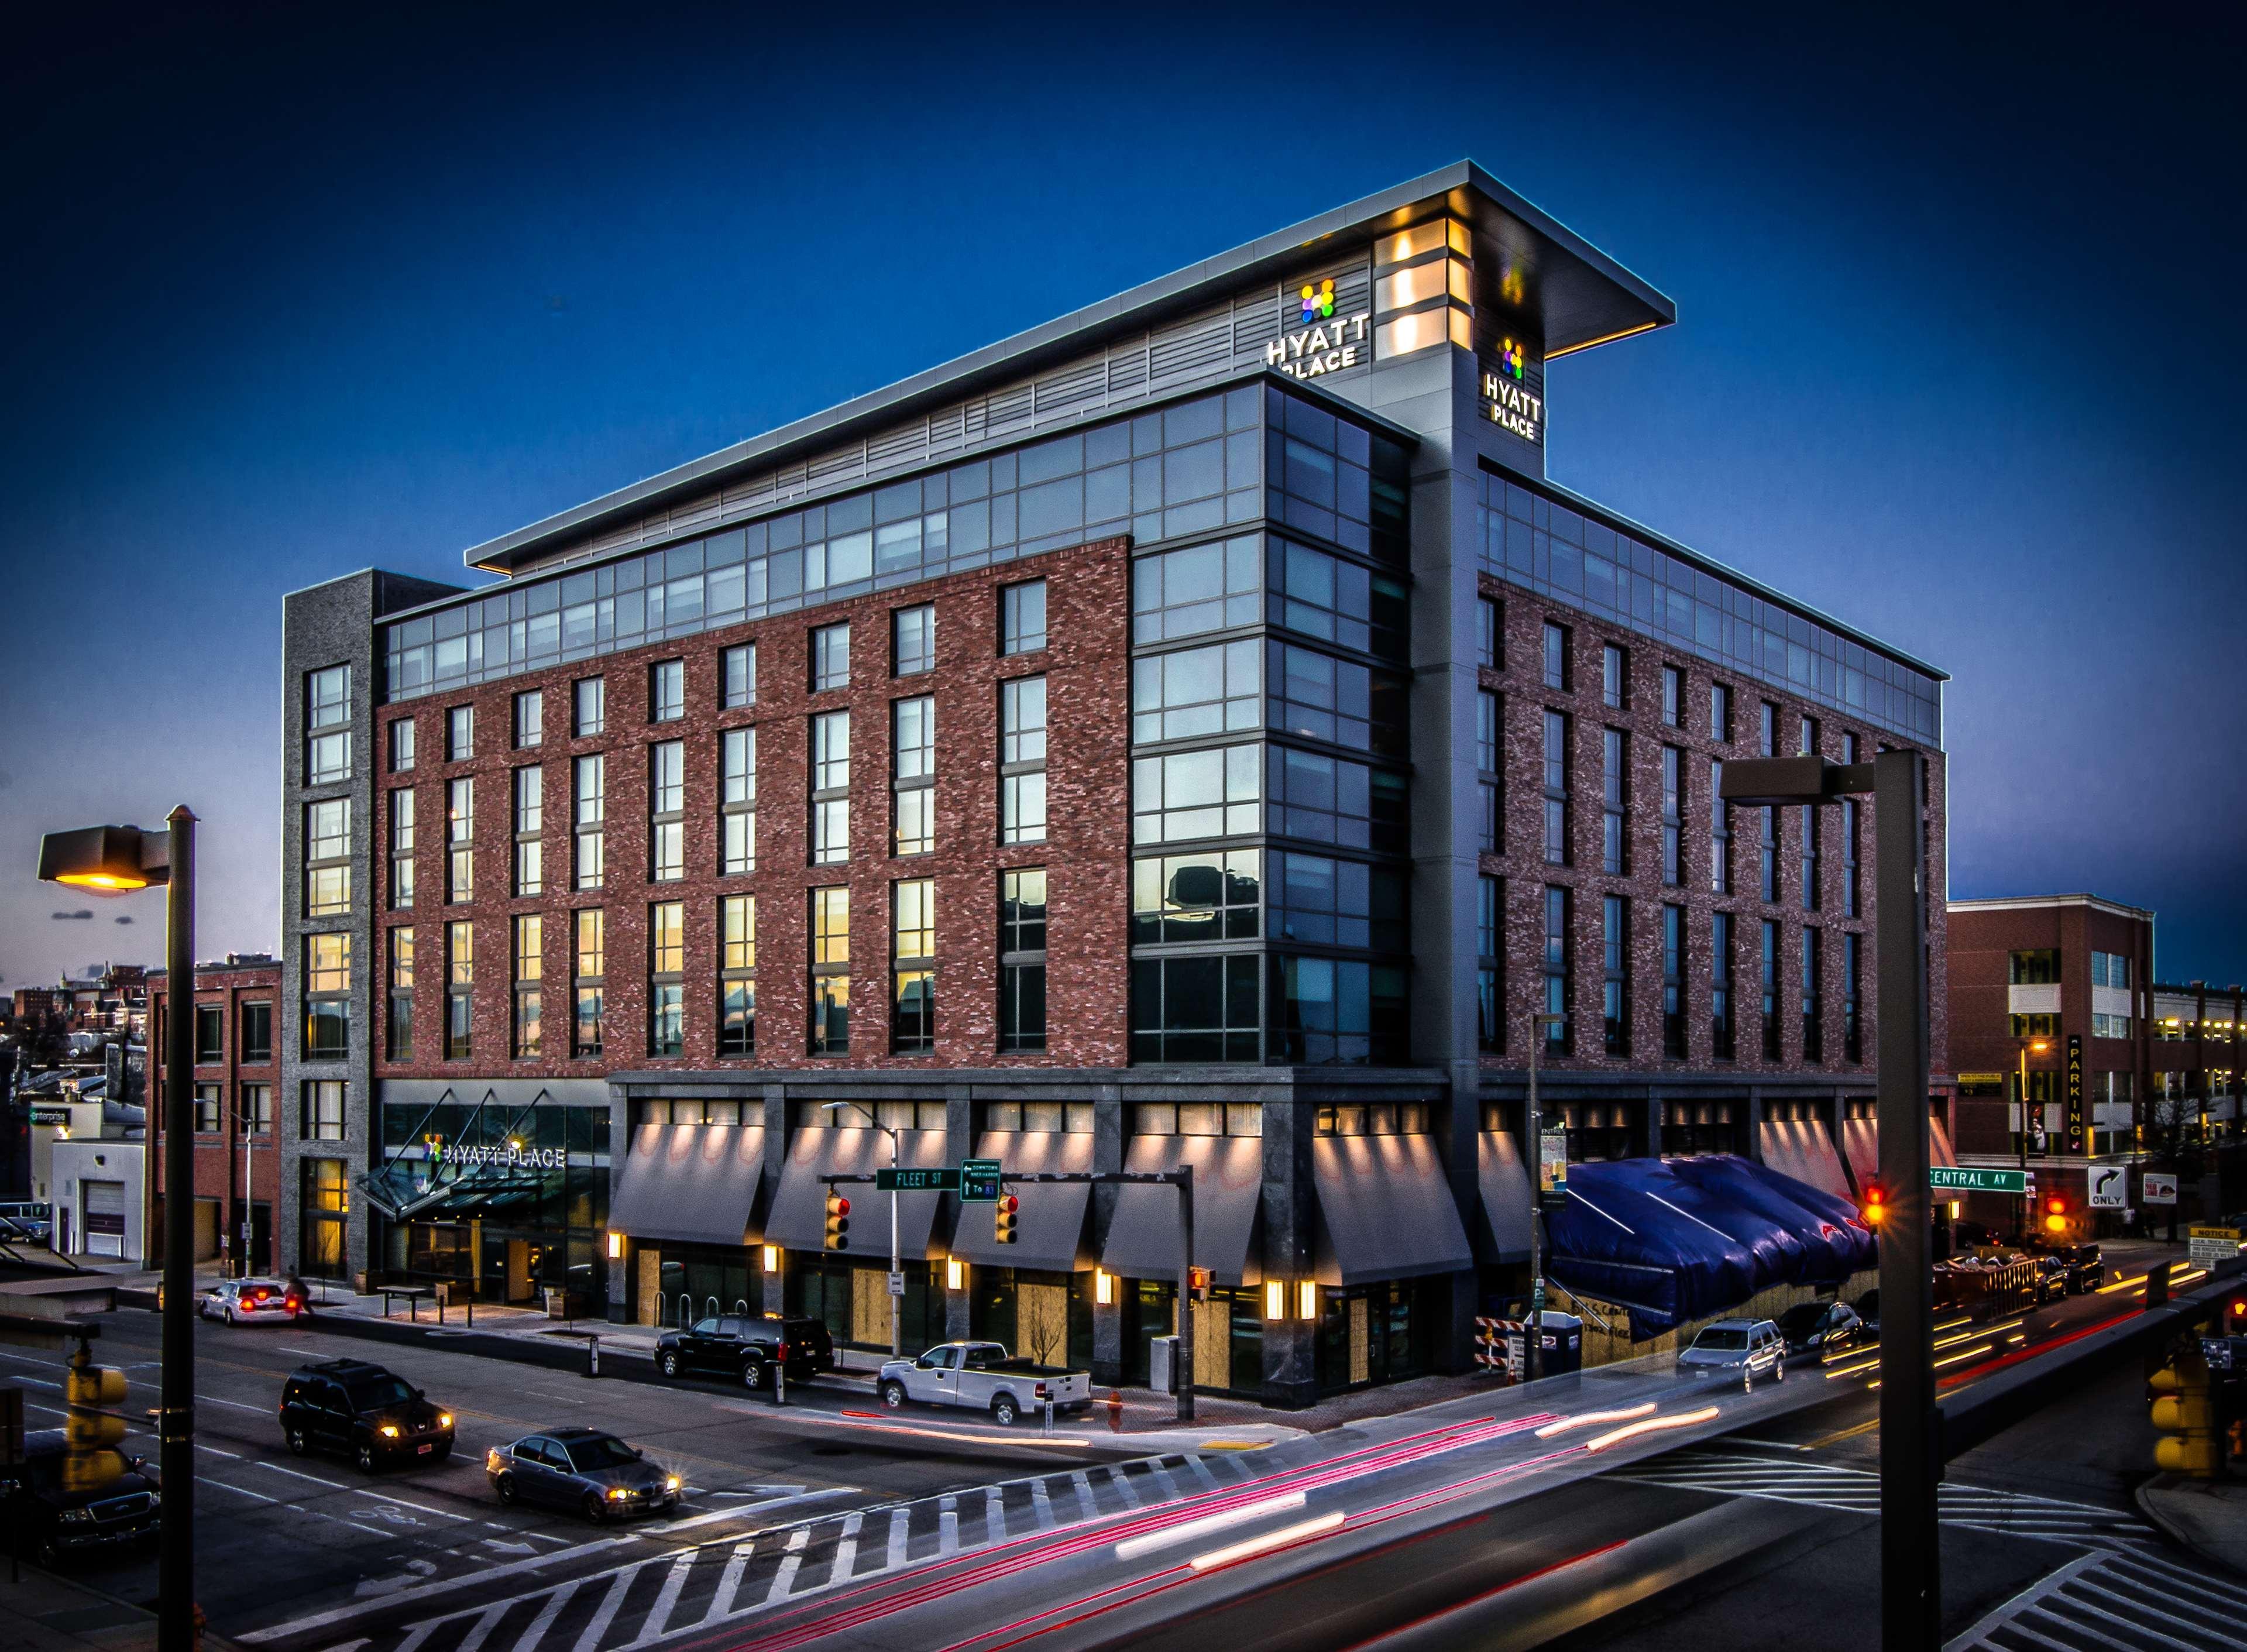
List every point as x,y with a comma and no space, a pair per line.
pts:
557,1302
1561,1350
1163,1364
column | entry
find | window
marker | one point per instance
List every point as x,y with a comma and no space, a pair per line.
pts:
1720,832
1320,594
1183,593
530,970
210,1107
1183,898
1489,828
1336,1012
210,1034
401,849
1615,676
1195,1009
1852,889
1809,858
1189,794
589,826
589,706
737,975
1767,848
1190,693
666,811
2036,1027
667,979
460,839
253,1110
1556,657
1022,757
1490,965
831,788
1814,1028
323,1196
589,970
1673,816
830,657
327,858
1673,982
402,746
912,956
1852,1039
256,1035
460,733
327,996
1766,728
1771,990
529,718
666,691
2102,1025
2035,969
913,640
737,801
1489,649
327,726
460,984
912,776
529,828
1809,737
1615,935
323,1113
1023,961
737,677
1331,799
1556,788
1720,986
2111,970
398,1037
830,972
1720,714
1615,800
1560,1036
1022,618
1673,697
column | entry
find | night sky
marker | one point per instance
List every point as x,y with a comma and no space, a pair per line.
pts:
286,295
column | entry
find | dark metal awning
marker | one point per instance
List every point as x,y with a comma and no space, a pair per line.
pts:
799,1205
695,1183
1228,1187
1503,1181
420,1190
1387,1209
1049,1225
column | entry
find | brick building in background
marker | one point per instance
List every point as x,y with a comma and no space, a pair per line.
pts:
1194,731
236,1075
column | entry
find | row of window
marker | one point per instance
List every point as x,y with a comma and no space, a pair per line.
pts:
254,1033
253,1110
2040,966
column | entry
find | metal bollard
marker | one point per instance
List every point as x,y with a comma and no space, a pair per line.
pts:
780,1383
1049,1414
593,1356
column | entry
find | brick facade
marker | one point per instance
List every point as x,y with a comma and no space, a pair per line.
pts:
218,1157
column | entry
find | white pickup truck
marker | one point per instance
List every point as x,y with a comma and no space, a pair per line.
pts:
984,1376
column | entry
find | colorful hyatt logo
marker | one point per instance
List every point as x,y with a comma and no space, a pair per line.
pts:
1510,358
1319,301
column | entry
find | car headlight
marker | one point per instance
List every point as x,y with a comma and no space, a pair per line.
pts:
444,1419
389,1431
74,1517
155,1499
617,1491
671,1482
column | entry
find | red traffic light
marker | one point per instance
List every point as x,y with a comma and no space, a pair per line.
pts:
1877,1204
841,1205
1009,1203
2055,1206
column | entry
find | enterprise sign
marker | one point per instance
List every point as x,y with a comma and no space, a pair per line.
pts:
533,1158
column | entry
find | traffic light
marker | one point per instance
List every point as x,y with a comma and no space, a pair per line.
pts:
1875,1204
2185,1412
2055,1214
1002,1218
2234,1315
91,1459
839,1221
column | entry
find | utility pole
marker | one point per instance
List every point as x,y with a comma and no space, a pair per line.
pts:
897,1263
1533,1360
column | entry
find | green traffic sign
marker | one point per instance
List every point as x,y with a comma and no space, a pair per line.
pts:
979,1181
904,1180
1957,1178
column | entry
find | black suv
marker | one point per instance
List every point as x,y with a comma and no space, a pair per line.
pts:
373,1415
51,1523
746,1347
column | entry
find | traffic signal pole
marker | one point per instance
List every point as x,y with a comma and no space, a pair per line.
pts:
175,1554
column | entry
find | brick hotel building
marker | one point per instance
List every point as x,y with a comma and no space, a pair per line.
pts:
1193,731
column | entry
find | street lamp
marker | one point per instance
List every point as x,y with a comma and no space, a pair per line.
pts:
1911,1587
2021,1137
1532,1363
116,860
897,1302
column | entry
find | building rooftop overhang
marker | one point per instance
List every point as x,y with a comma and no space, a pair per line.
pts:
1586,298
2038,903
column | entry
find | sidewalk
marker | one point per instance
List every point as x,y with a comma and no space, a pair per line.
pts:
2208,1517
51,1614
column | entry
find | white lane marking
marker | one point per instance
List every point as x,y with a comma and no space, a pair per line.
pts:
212,1399
1123,1484
598,1628
729,1581
421,1591
846,1550
244,1490
337,1485
536,1631
414,1636
784,1580
947,1526
1042,1504
1083,1484
483,1627
994,1515
659,1616
443,1514
216,1452
748,1508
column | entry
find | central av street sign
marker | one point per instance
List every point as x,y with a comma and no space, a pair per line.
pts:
905,1180
1957,1178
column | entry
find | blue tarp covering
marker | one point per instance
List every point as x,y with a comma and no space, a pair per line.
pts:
1678,1239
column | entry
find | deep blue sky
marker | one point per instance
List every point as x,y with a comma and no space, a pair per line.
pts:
287,295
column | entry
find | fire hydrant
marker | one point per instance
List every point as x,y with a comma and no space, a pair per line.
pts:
1115,1411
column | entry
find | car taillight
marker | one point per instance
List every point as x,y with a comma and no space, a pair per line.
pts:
783,1354
262,1295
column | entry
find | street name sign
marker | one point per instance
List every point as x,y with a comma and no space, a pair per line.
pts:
906,1179
979,1181
1958,1179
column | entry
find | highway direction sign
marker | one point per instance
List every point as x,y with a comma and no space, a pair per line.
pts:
979,1181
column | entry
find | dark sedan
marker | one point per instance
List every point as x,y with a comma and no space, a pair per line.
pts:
596,1474
1824,1330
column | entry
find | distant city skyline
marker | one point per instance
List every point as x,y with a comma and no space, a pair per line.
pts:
296,298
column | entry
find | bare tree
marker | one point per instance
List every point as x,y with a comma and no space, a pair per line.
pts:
2175,1142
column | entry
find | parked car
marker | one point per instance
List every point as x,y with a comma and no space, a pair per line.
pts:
2051,1280
1823,1328
1972,1236
2087,1269
1745,1349
240,1302
27,1222
984,1377
52,1524
596,1474
748,1348
374,1416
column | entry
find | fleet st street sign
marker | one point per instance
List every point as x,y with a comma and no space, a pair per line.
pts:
1958,1179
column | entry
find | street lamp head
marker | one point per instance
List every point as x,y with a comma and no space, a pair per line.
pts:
108,860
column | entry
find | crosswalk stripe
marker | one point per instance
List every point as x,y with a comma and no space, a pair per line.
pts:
791,1561
1042,1504
597,1625
536,1631
416,1636
1122,1482
659,1616
846,1550
947,1526
1194,1461
994,1515
1171,1492
1082,1482
900,1527
729,1581
483,1627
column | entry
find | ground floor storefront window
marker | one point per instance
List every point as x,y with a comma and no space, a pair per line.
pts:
677,1283
1228,1354
1042,1317
853,1299
1381,1333
325,1202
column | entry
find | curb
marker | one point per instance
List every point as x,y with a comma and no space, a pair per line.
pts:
2151,1497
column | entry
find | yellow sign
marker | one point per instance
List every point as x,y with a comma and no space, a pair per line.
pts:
1981,1078
2213,1232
